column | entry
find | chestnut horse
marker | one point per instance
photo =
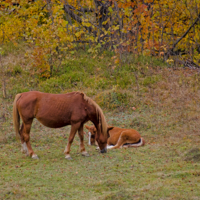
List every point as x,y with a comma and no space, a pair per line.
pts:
119,137
55,111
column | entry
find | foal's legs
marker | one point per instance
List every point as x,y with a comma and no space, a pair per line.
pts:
25,138
122,140
81,136
74,128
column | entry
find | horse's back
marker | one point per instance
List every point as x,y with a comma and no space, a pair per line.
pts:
53,110
48,98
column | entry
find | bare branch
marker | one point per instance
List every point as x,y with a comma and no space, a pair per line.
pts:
81,9
174,45
76,17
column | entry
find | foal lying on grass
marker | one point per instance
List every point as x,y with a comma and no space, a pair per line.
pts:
119,137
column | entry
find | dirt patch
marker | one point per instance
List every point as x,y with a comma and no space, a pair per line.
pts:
193,155
121,195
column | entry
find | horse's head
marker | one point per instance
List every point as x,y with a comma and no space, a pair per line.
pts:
95,115
96,139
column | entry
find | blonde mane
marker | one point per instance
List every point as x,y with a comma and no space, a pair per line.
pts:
99,113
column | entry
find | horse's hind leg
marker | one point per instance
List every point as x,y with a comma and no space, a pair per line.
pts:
74,128
24,148
25,136
81,136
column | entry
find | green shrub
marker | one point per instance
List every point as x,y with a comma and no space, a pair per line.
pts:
125,79
102,84
19,89
63,82
17,70
151,80
112,99
89,82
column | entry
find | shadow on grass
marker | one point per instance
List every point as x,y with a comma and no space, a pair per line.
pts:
193,155
120,195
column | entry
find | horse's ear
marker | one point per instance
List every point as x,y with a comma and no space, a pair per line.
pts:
110,128
86,126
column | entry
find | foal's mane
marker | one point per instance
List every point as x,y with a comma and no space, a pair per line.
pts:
99,113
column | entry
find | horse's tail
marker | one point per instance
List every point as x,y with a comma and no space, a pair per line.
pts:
142,141
16,116
138,144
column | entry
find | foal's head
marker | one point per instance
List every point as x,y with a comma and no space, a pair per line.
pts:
92,134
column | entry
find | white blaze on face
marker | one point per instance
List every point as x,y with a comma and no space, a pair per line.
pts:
89,134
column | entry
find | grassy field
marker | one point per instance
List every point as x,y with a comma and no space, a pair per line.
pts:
167,116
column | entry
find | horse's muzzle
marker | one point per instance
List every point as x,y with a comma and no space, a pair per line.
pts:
103,150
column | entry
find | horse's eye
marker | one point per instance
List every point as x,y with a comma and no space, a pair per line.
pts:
92,136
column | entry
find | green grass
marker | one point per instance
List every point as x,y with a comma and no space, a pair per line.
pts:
157,170
166,116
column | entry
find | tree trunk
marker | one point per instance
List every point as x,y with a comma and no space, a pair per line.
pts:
4,88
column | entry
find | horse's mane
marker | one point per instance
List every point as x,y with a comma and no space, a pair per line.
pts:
99,113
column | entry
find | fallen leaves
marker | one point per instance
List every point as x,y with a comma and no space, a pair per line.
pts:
133,108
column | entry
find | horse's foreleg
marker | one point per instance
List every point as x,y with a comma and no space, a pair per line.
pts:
81,136
74,128
26,138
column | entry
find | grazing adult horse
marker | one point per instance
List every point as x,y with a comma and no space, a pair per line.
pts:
119,137
55,111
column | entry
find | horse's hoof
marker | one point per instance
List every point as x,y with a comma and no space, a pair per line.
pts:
35,157
68,157
86,154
